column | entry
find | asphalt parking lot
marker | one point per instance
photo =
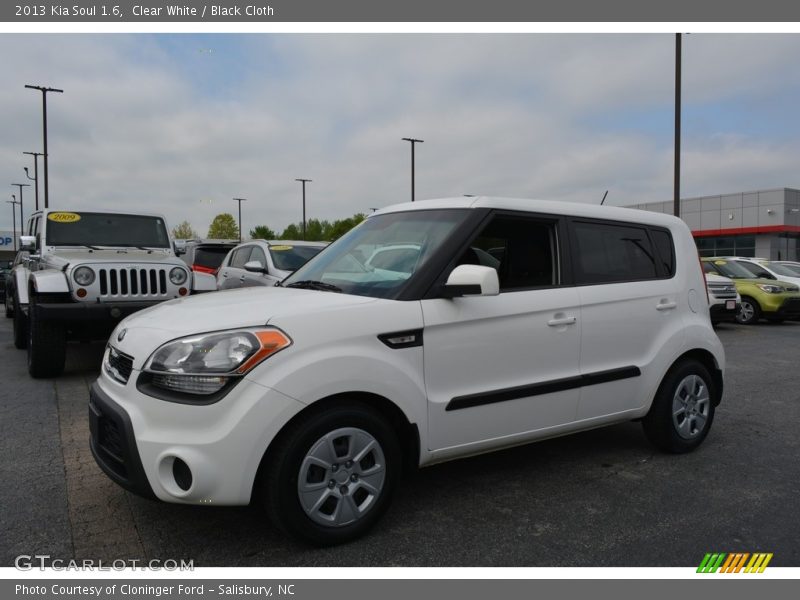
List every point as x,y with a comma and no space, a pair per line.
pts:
601,498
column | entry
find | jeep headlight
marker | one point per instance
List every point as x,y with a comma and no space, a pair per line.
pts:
770,288
83,276
178,276
203,364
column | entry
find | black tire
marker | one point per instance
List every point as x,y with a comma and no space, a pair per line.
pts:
280,484
9,303
20,326
47,346
749,311
672,432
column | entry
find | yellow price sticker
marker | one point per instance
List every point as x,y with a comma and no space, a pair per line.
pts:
279,248
63,217
720,262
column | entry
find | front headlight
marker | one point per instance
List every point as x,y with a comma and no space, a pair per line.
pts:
204,364
178,276
771,289
83,276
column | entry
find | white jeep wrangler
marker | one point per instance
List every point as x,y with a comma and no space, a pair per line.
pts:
82,272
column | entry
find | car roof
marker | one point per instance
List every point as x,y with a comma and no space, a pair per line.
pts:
558,207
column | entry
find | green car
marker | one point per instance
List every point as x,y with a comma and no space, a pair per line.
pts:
770,299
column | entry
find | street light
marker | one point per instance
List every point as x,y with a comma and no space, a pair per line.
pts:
35,177
304,181
240,200
44,91
413,142
13,204
677,199
21,206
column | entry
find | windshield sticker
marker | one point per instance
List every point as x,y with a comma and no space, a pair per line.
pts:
280,248
720,262
63,217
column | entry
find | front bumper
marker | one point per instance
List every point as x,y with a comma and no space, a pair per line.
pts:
139,441
96,312
790,309
724,311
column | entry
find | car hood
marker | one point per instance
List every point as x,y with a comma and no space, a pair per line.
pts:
228,309
78,256
765,282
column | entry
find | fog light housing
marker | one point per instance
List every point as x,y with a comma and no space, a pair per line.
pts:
182,474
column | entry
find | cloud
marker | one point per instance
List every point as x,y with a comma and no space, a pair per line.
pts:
149,122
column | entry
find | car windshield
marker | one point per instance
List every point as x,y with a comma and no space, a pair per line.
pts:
732,270
381,256
105,229
794,268
781,269
288,257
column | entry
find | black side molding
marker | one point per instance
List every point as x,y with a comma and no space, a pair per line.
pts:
544,387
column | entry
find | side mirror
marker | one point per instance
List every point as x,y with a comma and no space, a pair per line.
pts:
180,247
254,266
471,280
27,242
203,282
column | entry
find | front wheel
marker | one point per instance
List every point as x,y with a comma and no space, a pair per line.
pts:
47,346
749,312
682,410
331,477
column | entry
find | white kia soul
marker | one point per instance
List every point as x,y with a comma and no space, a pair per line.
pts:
485,323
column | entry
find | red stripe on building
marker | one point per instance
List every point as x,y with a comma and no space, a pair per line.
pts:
747,230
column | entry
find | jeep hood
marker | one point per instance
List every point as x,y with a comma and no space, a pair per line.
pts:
79,256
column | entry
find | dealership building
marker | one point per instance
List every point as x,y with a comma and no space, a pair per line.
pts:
7,245
764,223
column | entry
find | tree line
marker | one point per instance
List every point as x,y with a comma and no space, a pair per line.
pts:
224,227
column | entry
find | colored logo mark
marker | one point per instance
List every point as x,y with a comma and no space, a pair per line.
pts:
736,562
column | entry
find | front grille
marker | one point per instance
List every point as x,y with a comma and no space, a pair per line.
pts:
723,291
133,282
119,365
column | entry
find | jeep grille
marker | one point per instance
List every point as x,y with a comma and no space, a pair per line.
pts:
133,282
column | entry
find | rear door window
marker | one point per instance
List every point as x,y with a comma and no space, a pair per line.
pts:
611,253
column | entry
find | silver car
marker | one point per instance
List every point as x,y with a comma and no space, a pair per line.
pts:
260,262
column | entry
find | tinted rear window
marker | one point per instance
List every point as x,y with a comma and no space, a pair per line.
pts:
291,258
210,256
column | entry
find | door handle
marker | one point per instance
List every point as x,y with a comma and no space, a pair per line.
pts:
225,274
666,305
561,321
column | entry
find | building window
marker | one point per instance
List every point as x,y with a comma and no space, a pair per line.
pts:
738,245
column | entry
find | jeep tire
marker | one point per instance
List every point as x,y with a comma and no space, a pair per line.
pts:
47,345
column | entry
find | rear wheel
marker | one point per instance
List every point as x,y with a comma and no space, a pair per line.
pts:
47,346
683,409
331,477
749,313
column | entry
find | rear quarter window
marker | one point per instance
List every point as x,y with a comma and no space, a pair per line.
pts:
611,253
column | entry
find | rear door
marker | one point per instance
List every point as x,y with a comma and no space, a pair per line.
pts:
233,274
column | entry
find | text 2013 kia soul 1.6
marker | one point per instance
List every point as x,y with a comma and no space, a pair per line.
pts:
516,320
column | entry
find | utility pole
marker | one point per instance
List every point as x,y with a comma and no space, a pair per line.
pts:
240,200
21,205
44,91
35,177
13,204
413,142
304,181
677,199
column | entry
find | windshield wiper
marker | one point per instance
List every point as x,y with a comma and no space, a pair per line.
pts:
308,284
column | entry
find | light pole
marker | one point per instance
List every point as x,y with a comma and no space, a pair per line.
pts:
677,199
13,204
44,91
304,181
240,200
21,206
413,141
35,177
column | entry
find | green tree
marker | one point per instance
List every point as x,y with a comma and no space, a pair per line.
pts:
184,231
262,232
293,232
223,227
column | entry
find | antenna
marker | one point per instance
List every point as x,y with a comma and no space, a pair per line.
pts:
604,198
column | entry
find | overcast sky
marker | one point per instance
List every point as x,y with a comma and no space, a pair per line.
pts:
181,123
